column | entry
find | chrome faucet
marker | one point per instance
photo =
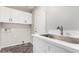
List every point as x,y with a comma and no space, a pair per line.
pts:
61,29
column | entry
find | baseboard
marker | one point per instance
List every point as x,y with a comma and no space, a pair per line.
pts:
12,45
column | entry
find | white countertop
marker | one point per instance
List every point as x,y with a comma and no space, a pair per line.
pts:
68,46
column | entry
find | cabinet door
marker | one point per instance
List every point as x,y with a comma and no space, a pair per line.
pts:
27,18
39,16
21,17
16,16
5,14
39,46
56,49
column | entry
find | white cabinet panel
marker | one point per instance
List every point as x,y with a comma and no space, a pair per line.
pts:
42,46
39,46
14,16
5,14
21,17
28,18
56,49
39,16
17,16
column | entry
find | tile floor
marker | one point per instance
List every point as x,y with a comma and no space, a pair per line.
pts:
22,48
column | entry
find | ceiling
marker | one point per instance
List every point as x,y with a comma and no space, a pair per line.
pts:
23,8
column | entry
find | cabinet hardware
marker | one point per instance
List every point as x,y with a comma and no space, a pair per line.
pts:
10,19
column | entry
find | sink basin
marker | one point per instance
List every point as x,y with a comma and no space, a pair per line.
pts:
63,38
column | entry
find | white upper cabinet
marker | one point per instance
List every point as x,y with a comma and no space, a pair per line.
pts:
27,18
5,14
18,17
15,16
39,17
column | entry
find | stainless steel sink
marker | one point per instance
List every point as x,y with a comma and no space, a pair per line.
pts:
63,38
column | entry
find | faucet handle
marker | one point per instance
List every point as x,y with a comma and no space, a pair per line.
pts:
58,27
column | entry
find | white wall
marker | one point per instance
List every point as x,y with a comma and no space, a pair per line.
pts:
0,34
14,35
39,19
68,17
